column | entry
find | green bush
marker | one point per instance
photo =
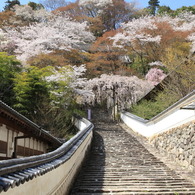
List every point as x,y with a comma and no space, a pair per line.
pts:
150,108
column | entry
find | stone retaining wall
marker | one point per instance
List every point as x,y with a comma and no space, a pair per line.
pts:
178,143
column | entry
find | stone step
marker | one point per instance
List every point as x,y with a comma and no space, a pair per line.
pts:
133,193
135,190
119,170
137,181
139,175
132,180
134,185
120,165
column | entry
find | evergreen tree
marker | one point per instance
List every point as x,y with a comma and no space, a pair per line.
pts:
153,4
35,6
164,10
10,4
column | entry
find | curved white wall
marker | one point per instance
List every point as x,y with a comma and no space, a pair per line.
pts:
150,128
172,117
59,180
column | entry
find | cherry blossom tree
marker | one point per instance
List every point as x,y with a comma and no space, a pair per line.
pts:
102,15
57,33
115,90
155,75
6,45
53,4
26,13
147,38
111,12
133,33
3,40
137,37
144,29
71,76
97,3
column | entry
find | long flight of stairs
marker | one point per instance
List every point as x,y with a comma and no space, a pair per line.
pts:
119,165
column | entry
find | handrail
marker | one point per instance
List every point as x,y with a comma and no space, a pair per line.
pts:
13,165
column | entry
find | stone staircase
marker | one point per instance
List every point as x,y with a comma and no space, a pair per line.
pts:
119,165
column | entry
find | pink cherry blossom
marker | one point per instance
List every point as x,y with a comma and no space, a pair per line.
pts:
116,89
155,75
57,33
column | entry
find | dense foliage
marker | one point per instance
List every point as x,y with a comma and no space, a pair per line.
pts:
54,61
9,67
150,108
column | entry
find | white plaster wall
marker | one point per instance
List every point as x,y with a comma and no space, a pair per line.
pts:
9,135
3,133
43,148
57,181
30,143
27,143
20,142
158,125
36,145
81,124
10,144
39,145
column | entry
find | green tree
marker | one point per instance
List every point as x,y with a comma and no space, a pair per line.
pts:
35,6
164,10
10,4
45,96
31,89
181,66
153,4
9,66
185,9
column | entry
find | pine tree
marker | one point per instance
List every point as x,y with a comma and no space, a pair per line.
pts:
10,4
153,4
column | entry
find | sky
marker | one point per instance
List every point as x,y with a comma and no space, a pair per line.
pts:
173,4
